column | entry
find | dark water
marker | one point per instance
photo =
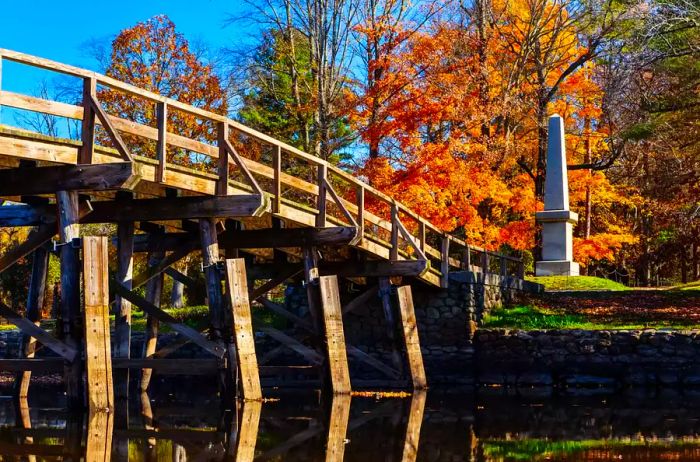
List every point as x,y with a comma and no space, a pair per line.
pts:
184,422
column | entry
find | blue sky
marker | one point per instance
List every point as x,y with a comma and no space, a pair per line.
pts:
60,30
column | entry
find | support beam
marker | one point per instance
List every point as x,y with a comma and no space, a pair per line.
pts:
35,301
36,239
347,269
174,324
98,355
69,307
154,292
335,337
412,342
312,356
122,307
361,299
390,322
159,265
67,352
97,177
237,292
272,283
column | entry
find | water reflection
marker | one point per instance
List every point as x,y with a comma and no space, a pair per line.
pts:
308,427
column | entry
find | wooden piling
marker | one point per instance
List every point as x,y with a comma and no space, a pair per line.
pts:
410,333
154,289
122,307
237,292
69,307
35,301
335,336
390,323
98,354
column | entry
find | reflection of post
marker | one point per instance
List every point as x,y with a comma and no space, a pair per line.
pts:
147,415
338,427
248,434
415,420
99,437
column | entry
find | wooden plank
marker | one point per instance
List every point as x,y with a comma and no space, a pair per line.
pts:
312,356
280,310
174,324
154,292
237,292
159,266
122,307
335,337
162,143
185,366
212,276
321,204
98,440
39,365
338,428
412,342
361,299
98,355
277,180
287,237
445,262
69,306
87,136
390,322
274,282
248,431
176,208
375,268
373,362
116,138
180,277
223,164
413,426
98,177
66,351
26,215
35,302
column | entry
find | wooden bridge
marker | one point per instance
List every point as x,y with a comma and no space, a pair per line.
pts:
261,212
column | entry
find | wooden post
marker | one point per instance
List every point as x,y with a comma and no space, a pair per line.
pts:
445,262
277,180
335,336
224,160
413,426
98,441
504,267
98,355
410,333
35,301
421,235
154,289
360,212
237,291
122,307
385,296
521,268
485,261
338,428
468,259
322,205
217,316
88,124
394,252
69,307
162,143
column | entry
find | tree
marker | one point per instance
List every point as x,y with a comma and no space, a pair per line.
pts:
152,55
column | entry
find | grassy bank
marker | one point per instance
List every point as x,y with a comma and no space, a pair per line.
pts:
578,283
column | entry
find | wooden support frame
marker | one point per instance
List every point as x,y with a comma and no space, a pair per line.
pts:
66,351
122,307
390,322
154,292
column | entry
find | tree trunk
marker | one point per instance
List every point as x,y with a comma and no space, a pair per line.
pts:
177,295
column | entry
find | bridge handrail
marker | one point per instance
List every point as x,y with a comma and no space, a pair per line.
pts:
423,225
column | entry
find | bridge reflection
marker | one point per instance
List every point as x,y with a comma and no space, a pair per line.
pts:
320,429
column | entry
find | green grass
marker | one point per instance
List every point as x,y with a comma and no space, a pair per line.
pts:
535,318
540,449
689,286
578,283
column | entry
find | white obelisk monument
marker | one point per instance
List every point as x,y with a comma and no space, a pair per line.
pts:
556,219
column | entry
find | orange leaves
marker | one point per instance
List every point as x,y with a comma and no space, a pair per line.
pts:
601,246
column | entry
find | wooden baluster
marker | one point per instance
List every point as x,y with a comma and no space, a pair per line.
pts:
421,235
88,126
521,268
222,183
485,262
277,180
468,259
445,260
394,252
504,267
360,212
161,147
321,217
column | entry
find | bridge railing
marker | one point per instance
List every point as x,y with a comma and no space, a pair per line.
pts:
229,157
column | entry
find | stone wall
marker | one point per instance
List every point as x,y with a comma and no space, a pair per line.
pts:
612,359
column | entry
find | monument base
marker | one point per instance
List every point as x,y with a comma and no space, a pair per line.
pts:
556,268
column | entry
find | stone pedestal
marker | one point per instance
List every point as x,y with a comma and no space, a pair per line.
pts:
556,219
